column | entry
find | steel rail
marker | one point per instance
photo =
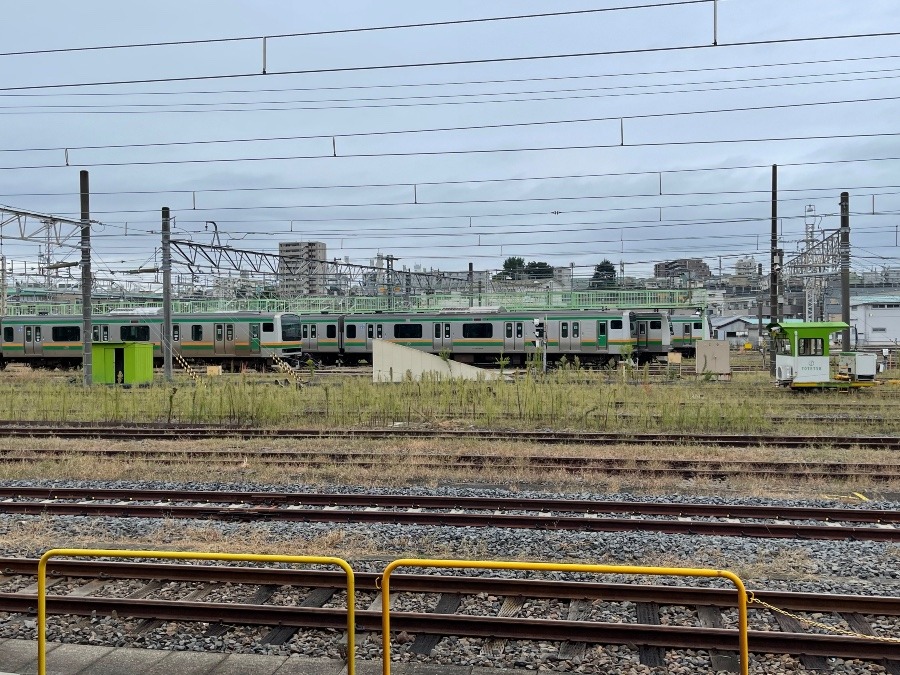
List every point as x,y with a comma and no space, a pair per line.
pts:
464,625
436,583
663,468
332,499
450,519
160,431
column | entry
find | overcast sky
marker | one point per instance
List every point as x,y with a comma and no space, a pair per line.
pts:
613,149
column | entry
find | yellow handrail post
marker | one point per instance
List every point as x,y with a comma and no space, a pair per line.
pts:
743,644
192,555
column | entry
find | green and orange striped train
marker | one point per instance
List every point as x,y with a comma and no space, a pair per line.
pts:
480,335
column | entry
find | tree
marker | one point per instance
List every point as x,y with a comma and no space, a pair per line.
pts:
513,268
538,270
604,275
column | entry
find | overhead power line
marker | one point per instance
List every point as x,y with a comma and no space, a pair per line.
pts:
460,62
473,181
474,151
365,29
445,83
474,127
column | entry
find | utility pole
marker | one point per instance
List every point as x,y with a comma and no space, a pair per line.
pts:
773,270
773,274
844,248
471,285
86,327
167,296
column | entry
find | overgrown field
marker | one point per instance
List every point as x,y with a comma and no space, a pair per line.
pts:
563,399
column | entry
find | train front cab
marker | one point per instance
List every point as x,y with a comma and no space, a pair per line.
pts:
653,337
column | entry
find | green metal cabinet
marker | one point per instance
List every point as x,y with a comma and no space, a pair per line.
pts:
128,363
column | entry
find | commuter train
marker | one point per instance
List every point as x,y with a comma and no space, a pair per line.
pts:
477,335
235,338
483,335
686,331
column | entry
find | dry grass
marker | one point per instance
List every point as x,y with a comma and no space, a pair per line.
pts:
563,399
398,463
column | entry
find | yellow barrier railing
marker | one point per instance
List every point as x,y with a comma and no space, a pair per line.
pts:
190,555
558,567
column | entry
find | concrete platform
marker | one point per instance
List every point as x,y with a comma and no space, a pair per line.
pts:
19,657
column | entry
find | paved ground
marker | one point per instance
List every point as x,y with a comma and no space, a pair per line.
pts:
19,657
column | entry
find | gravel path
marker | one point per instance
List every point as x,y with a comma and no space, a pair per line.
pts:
810,566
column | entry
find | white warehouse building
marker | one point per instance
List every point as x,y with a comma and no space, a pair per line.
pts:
874,321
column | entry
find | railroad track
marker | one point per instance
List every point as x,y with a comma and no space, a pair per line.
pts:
160,431
707,615
577,515
464,462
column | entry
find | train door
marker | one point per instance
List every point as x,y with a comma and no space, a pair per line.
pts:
441,336
602,335
309,335
33,341
224,339
643,337
513,336
374,331
565,335
254,338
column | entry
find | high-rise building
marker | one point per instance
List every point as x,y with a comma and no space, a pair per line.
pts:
302,269
694,268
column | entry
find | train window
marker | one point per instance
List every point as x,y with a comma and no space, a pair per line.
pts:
312,331
104,333
351,330
269,327
8,334
656,325
176,332
305,332
687,330
229,332
601,328
698,325
378,332
66,333
810,347
575,329
509,330
616,324
196,332
518,330
446,331
134,333
371,331
437,331
331,331
564,329
408,330
95,333
27,333
37,333
218,332
478,330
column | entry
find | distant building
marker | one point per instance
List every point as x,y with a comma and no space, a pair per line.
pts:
874,321
687,268
302,268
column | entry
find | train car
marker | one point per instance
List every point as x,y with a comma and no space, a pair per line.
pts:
652,334
474,337
234,339
686,331
480,336
591,336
